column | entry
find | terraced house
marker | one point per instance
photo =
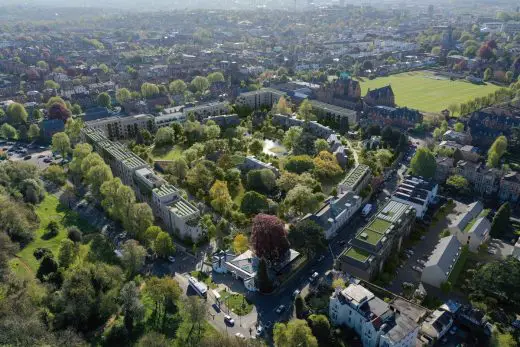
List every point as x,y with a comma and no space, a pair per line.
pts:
178,215
375,242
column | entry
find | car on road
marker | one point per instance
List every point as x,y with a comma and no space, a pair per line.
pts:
296,292
320,258
171,259
229,321
280,309
239,336
314,276
417,268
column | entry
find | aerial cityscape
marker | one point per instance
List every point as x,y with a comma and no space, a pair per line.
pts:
248,173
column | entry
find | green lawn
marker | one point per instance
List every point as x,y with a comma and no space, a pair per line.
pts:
236,303
423,91
167,152
48,210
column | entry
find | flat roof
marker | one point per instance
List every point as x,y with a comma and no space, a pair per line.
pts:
182,208
356,175
357,254
165,189
374,231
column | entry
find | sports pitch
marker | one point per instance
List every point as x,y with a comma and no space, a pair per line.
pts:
426,92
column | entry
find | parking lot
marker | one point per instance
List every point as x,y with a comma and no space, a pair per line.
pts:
40,156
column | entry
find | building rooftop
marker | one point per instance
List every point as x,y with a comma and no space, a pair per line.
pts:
182,208
332,108
164,190
374,231
355,176
133,162
357,254
445,254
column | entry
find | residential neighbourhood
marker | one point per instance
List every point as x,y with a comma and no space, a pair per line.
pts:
287,174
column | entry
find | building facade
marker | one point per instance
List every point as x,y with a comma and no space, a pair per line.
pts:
378,324
121,128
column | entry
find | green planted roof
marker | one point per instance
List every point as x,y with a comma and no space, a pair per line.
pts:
355,175
374,231
357,254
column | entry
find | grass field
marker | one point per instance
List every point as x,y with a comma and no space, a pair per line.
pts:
167,152
49,209
424,91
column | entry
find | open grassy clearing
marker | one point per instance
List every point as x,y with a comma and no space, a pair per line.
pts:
236,303
423,91
48,210
167,152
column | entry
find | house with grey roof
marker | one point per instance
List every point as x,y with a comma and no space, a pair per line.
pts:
472,227
336,212
442,261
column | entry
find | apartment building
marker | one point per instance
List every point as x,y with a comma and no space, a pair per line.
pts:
484,180
179,215
255,100
510,187
383,235
120,128
416,192
336,212
332,113
378,323
207,110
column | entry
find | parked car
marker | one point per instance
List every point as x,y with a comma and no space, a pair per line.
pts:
421,262
314,276
492,251
27,157
453,330
239,336
171,259
417,268
230,321
296,293
259,330
268,325
320,258
280,309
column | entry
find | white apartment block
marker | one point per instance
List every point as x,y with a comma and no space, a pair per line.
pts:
378,324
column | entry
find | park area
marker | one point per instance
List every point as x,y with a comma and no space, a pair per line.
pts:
424,91
50,209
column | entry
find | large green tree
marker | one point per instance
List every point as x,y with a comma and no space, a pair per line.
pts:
133,258
501,224
295,333
307,236
163,245
423,163
61,143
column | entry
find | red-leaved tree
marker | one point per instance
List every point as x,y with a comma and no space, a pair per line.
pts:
59,111
269,238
